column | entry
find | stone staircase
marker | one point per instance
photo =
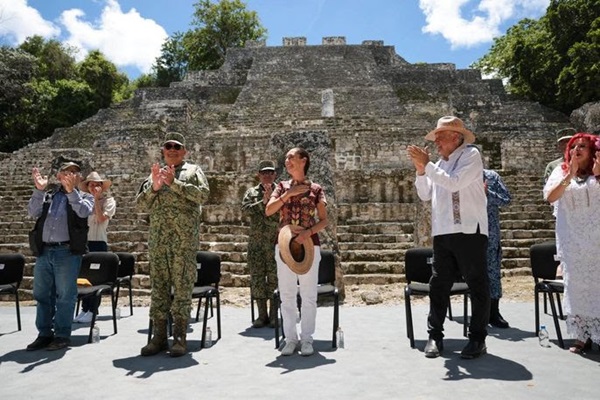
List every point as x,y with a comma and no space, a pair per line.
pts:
232,117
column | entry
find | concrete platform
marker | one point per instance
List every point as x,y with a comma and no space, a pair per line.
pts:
377,362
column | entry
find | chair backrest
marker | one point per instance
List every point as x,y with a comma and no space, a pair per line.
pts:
99,267
327,267
11,268
126,264
209,268
543,264
417,264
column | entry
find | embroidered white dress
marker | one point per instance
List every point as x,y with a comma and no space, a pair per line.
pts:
578,232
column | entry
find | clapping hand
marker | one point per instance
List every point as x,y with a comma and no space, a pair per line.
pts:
40,181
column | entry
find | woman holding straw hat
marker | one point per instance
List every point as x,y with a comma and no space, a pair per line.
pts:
104,210
302,214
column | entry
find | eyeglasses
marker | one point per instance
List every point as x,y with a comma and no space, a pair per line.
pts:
176,146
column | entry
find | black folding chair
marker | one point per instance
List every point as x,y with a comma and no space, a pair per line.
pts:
417,268
125,276
100,269
207,287
543,270
11,275
326,288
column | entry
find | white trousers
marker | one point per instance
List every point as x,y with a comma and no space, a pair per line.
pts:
289,283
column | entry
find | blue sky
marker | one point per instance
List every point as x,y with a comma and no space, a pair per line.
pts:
130,32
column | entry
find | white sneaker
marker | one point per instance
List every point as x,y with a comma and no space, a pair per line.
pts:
289,348
79,316
86,318
306,349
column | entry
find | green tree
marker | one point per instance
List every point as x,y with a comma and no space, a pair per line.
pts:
553,60
55,60
103,78
216,27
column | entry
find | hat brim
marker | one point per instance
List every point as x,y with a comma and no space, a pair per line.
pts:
174,141
267,169
298,267
105,185
467,134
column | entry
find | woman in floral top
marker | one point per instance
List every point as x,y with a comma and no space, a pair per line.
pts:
301,204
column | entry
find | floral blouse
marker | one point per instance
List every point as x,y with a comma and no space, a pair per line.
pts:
300,210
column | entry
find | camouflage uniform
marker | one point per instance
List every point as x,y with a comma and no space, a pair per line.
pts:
173,241
261,244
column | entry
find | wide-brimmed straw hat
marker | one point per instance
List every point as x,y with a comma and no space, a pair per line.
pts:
298,258
454,124
95,177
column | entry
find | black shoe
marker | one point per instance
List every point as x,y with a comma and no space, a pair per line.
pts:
473,349
499,322
58,343
40,342
433,348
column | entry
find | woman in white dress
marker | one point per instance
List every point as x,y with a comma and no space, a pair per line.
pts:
575,189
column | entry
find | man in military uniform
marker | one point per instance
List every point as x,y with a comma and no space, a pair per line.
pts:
261,243
172,195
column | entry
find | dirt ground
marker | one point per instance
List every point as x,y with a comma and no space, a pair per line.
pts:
515,289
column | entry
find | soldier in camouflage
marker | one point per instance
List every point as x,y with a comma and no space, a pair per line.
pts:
172,195
261,243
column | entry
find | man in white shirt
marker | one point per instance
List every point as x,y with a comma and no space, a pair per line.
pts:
459,228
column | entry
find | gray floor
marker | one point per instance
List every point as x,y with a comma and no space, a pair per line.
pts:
377,362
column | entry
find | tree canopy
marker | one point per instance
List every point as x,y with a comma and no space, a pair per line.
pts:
554,60
216,27
42,88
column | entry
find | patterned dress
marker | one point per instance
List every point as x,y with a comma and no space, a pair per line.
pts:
578,231
497,196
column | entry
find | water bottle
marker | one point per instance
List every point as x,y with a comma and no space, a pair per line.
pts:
208,339
339,337
95,334
544,337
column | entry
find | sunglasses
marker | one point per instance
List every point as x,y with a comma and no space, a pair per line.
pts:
266,172
176,146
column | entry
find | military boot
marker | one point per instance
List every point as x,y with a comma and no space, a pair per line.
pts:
179,347
159,341
263,317
272,314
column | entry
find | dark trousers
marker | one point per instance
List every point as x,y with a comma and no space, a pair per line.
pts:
457,255
90,303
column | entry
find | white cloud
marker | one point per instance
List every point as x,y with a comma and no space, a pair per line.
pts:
482,22
126,39
18,21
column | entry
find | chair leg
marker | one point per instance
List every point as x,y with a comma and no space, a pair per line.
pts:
113,302
555,318
218,300
560,310
94,315
251,307
409,323
18,309
450,310
336,319
536,302
465,315
130,298
276,324
198,309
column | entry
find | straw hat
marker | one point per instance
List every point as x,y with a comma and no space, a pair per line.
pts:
454,124
291,252
94,177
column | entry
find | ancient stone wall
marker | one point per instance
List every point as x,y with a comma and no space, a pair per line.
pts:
233,116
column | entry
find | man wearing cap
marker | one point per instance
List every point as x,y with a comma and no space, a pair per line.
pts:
561,145
261,243
58,240
104,210
172,195
459,228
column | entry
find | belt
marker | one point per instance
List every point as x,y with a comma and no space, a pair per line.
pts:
56,244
